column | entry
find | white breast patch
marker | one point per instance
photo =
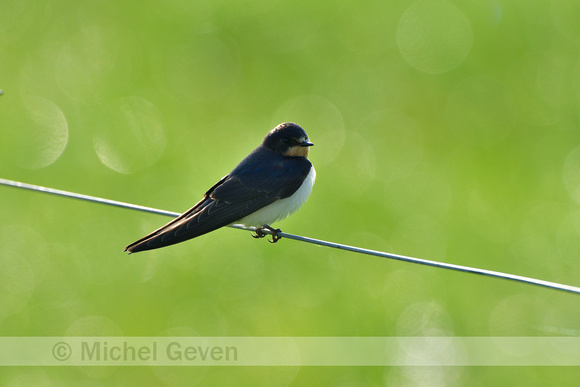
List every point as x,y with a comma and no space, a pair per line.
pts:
280,209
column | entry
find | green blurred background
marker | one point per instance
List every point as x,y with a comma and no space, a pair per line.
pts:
443,130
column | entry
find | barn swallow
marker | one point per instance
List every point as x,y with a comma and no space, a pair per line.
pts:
271,183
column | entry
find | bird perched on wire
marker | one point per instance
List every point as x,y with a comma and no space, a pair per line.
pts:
271,183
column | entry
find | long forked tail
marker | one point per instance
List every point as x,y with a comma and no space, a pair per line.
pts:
205,216
178,230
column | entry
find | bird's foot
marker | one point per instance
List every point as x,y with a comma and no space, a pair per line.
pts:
260,233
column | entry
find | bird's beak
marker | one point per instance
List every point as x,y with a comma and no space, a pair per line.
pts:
306,143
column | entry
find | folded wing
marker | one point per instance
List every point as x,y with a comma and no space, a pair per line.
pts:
247,189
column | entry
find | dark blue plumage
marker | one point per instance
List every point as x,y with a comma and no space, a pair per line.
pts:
275,170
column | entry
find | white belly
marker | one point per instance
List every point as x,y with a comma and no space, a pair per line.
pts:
281,208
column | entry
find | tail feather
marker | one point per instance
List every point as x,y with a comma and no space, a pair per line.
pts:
166,235
205,216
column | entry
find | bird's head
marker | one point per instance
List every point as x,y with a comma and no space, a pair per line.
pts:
288,139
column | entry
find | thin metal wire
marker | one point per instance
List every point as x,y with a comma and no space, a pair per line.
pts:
381,254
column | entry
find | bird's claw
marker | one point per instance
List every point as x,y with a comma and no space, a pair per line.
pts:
260,233
275,236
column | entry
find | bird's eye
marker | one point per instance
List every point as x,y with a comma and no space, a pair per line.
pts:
285,140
